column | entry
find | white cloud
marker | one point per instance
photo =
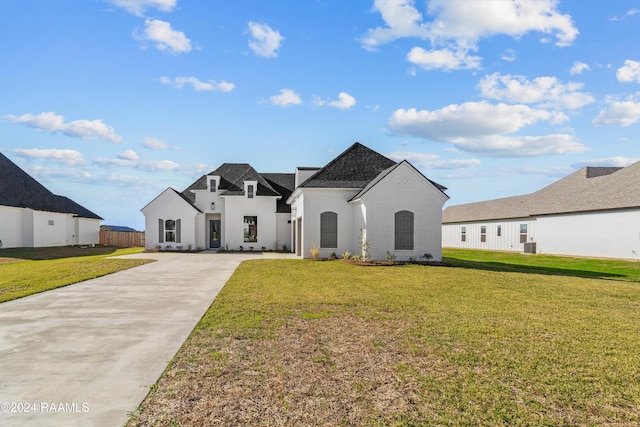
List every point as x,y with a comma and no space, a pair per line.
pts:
73,174
472,20
542,91
198,85
630,12
64,157
509,55
152,143
123,161
166,39
578,68
128,155
54,123
623,113
629,72
483,128
431,161
443,59
265,41
145,165
523,146
469,120
138,7
107,162
286,97
617,161
344,101
457,26
402,20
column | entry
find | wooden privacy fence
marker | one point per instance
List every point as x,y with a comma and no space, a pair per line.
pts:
121,238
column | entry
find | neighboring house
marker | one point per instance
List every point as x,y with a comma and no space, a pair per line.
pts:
32,216
118,228
593,212
360,196
364,202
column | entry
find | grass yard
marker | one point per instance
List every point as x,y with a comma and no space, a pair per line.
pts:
26,271
602,268
292,342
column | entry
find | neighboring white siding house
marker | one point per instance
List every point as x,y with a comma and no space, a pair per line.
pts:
32,216
593,212
360,196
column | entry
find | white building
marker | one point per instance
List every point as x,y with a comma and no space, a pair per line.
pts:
360,196
232,207
32,216
364,202
593,212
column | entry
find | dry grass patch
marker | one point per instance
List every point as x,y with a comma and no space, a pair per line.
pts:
308,343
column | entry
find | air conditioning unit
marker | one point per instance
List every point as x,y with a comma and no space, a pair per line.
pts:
530,247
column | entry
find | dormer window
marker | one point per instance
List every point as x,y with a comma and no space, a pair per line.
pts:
250,191
212,185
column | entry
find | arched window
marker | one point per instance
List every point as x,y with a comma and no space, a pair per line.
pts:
403,230
328,230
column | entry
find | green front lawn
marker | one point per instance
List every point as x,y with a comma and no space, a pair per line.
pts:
293,342
26,271
543,264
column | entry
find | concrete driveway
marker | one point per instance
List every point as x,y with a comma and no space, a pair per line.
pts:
86,354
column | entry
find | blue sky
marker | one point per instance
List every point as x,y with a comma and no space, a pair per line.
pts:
111,101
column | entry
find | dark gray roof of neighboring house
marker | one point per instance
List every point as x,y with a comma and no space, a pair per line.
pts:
353,168
19,189
120,228
586,190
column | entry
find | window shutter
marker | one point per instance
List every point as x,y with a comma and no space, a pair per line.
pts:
404,230
160,230
328,230
178,234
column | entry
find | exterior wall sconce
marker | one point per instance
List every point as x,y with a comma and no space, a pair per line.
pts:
213,206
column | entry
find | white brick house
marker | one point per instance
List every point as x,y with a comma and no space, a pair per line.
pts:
32,216
360,196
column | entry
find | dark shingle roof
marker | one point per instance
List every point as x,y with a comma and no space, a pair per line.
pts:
284,184
354,168
119,228
19,189
588,189
357,167
232,177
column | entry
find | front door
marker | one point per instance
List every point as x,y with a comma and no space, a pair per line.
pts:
214,233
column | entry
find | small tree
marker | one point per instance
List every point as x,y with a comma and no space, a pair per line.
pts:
364,246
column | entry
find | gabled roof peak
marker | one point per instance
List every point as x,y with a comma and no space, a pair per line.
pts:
353,168
21,190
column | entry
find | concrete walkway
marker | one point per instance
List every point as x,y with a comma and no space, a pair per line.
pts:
86,354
